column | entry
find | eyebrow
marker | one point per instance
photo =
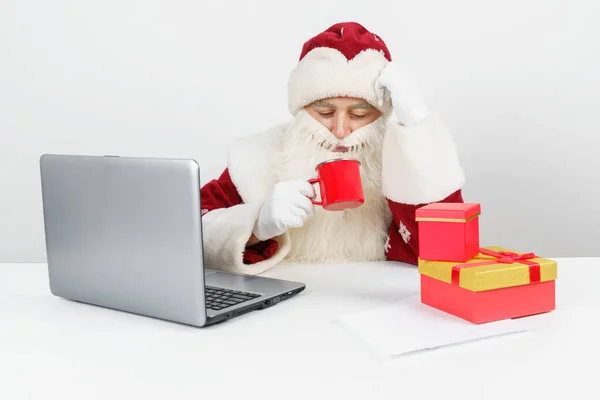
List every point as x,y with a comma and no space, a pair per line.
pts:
323,104
365,106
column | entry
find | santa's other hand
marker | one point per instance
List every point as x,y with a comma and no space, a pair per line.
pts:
395,83
288,206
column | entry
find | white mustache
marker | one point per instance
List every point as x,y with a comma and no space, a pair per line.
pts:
327,145
361,143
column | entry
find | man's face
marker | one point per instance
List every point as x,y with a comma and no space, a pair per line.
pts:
343,115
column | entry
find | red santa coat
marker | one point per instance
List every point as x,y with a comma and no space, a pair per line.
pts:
419,166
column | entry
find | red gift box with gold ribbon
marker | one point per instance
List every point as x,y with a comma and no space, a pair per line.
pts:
496,284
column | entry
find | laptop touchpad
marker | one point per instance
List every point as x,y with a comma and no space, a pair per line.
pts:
229,281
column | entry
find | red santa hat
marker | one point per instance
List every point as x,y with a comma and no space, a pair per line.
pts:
344,60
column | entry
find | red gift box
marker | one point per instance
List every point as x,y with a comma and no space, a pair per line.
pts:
497,284
448,231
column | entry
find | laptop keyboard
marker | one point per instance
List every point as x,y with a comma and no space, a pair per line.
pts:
219,298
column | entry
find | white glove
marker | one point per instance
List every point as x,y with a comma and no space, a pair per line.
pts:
397,84
288,206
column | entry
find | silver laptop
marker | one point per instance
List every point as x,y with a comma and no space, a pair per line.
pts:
125,233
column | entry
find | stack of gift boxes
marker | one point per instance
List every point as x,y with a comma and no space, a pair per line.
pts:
477,284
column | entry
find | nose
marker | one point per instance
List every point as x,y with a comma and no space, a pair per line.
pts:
341,127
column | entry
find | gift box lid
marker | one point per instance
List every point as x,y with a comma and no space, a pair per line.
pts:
448,212
487,272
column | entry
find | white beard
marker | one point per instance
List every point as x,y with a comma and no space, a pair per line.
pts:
358,234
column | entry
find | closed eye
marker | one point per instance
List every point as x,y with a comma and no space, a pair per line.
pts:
326,114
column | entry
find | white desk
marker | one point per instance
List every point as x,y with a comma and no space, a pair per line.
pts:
53,348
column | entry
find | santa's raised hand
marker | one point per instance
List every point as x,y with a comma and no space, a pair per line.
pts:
395,83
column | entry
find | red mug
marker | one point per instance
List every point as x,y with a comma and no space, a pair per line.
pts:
340,184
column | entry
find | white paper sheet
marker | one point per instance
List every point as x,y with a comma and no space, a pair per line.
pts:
408,326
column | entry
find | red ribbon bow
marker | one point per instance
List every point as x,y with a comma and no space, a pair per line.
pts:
506,257
503,257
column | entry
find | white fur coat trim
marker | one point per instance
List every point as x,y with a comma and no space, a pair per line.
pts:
420,163
325,72
225,234
250,164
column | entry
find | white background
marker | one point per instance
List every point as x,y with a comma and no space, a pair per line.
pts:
515,81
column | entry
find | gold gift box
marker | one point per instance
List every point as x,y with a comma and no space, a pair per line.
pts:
495,275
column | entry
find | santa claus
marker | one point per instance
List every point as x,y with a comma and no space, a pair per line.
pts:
348,99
